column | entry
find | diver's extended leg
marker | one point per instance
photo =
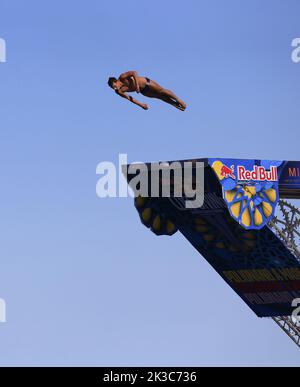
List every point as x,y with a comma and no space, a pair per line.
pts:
160,92
171,102
170,94
156,91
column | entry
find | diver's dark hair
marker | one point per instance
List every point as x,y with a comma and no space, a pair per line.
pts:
111,81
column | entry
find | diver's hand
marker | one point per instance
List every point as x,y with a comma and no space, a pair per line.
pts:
145,106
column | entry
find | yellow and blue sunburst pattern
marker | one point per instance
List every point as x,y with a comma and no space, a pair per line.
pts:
251,203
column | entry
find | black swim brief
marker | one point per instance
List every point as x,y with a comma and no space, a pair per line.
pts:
147,86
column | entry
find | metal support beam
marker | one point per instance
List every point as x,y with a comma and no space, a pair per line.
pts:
292,329
287,227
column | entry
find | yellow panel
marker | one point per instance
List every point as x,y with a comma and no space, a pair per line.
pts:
236,209
170,227
146,214
229,195
271,195
258,219
246,219
140,201
217,166
267,209
156,223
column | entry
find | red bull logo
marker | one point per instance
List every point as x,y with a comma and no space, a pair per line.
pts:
227,172
257,174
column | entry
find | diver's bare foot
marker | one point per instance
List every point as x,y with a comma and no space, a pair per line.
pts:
180,107
182,104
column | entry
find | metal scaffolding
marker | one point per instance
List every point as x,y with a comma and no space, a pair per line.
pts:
286,226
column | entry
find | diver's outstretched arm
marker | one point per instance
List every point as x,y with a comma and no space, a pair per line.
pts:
131,99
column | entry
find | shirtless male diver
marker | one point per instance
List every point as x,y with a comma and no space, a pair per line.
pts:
130,81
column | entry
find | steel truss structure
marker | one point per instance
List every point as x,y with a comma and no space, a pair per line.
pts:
286,226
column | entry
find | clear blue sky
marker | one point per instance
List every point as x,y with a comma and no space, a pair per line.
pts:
85,283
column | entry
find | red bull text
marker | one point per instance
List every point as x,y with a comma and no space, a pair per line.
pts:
257,174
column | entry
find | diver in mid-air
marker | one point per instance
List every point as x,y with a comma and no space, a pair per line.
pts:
130,81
